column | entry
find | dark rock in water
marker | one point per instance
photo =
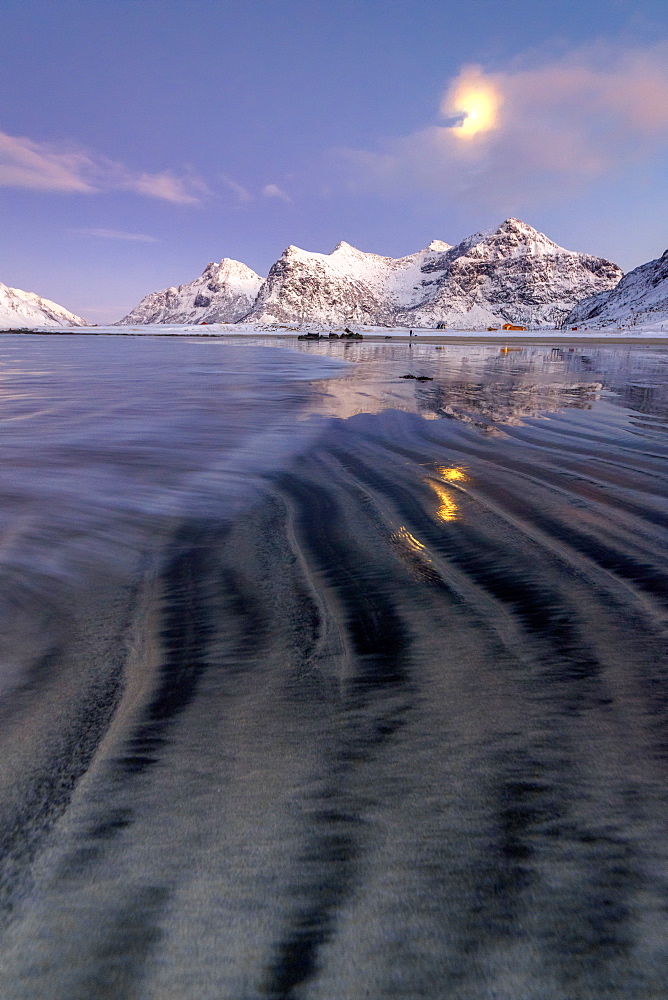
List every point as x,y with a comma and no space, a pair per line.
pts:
423,378
333,336
407,376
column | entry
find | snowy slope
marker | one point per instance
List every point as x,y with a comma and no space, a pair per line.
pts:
345,286
25,309
511,274
641,297
222,294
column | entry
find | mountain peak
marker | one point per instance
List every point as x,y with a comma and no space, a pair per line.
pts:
511,224
439,245
344,249
523,232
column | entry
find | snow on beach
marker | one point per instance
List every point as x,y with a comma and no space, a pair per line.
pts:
649,331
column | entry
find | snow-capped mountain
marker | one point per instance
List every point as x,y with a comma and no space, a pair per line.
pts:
223,293
511,274
25,309
641,297
345,286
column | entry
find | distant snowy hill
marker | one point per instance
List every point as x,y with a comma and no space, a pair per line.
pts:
222,294
640,298
25,309
345,286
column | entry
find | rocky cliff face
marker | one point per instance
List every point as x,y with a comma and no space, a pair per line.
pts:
25,309
345,286
222,294
640,298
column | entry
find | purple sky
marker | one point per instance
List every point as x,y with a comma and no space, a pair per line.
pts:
140,139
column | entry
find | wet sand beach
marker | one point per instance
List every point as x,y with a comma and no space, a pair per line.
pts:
321,682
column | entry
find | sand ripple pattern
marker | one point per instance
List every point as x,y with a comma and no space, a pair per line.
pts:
398,731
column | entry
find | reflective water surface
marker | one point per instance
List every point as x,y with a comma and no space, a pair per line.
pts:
322,682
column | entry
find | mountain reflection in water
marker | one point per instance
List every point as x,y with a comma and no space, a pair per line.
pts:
488,386
302,707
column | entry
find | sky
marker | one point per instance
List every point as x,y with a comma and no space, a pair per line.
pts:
141,139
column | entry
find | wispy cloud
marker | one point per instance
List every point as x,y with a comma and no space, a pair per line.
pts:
167,187
28,164
41,166
529,129
242,193
115,234
274,191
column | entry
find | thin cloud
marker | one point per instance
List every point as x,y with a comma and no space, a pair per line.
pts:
242,193
529,130
274,191
115,234
28,164
41,166
167,187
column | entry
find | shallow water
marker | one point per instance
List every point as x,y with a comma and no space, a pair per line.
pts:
325,683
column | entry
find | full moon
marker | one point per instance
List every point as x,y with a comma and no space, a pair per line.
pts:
476,100
480,110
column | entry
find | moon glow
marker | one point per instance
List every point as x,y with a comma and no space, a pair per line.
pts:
476,100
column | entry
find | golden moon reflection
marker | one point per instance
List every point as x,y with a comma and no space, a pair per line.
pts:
448,507
454,474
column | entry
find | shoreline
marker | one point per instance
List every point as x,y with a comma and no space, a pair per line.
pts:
555,338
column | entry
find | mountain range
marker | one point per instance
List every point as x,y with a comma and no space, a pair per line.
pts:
511,274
